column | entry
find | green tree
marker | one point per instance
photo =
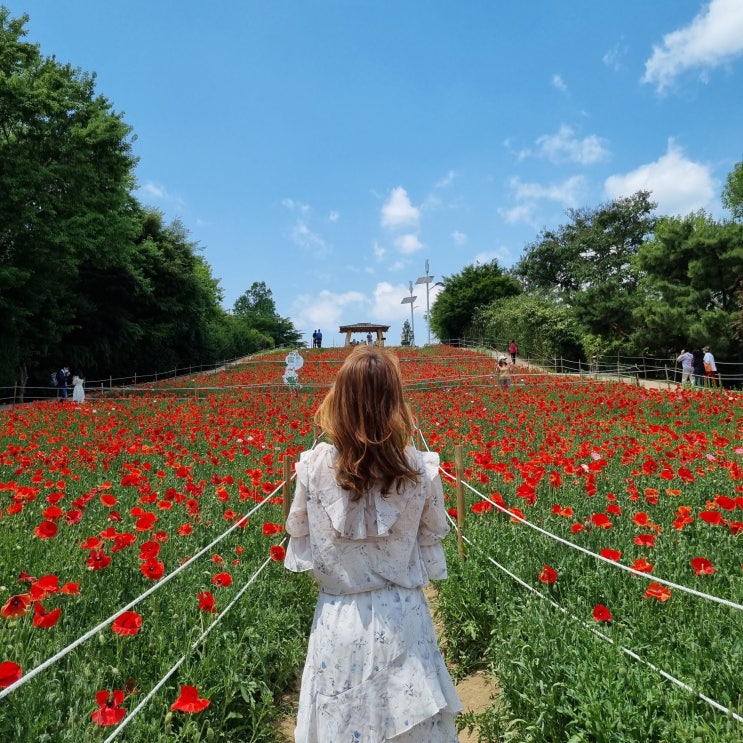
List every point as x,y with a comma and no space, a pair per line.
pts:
732,193
544,329
65,211
456,304
588,264
256,309
690,288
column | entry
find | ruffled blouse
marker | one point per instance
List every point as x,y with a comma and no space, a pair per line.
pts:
354,546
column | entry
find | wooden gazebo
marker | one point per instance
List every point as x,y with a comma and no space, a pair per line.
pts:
366,328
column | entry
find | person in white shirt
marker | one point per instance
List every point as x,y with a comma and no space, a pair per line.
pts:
710,367
368,520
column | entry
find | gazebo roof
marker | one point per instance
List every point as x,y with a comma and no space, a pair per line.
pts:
363,327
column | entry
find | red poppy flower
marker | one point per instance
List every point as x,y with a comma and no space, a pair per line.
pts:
657,591
222,579
189,701
16,606
452,512
108,500
207,602
45,619
98,560
43,587
149,551
277,552
109,711
482,507
610,554
712,517
601,613
702,566
548,575
601,520
72,589
73,517
9,673
184,530
575,528
127,623
46,530
269,528
645,540
642,566
152,569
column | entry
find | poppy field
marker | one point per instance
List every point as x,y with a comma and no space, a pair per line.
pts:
141,539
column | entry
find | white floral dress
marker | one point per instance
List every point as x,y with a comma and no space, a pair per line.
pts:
374,672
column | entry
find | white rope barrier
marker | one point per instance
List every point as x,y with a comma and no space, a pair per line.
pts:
683,685
126,720
614,563
163,581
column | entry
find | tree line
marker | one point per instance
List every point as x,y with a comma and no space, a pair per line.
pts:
613,280
88,275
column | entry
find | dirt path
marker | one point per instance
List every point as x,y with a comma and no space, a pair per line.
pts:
475,691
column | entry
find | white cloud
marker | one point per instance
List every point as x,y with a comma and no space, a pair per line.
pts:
613,58
398,212
564,146
568,193
305,238
334,216
519,213
326,309
679,185
459,237
559,83
295,206
713,38
157,192
446,180
408,243
379,251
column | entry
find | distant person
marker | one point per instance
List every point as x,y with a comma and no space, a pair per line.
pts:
368,339
687,366
504,374
710,367
314,339
62,377
698,364
319,338
78,389
513,349
368,520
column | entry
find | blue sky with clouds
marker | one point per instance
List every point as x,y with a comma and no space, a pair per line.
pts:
331,147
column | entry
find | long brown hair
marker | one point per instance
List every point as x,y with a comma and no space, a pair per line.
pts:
369,422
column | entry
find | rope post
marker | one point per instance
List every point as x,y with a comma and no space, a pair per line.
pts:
15,394
287,485
459,467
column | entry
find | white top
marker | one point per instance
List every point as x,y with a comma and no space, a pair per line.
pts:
363,545
710,359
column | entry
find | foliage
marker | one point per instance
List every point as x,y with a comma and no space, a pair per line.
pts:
256,311
88,276
65,174
691,275
587,265
463,293
548,330
732,193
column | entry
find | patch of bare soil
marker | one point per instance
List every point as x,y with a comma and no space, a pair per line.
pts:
476,692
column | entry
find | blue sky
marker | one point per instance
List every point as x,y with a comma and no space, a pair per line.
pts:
331,147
